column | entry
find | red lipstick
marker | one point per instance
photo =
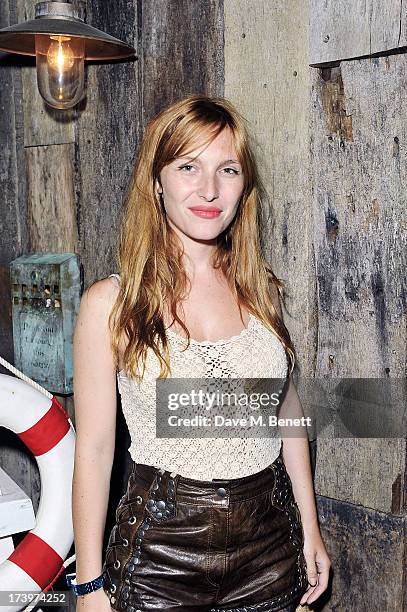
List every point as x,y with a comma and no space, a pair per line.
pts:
206,212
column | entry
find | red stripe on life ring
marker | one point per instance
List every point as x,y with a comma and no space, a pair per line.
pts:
37,559
48,431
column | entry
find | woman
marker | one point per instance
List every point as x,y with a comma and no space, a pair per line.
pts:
207,523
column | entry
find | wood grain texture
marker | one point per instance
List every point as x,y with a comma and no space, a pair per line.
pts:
346,29
360,240
368,549
51,198
106,140
337,238
271,89
182,46
13,229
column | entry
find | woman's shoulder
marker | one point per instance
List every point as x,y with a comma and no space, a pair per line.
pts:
102,293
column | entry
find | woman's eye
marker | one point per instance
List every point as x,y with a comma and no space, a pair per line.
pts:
188,168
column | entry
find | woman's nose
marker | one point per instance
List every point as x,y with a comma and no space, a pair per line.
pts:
208,187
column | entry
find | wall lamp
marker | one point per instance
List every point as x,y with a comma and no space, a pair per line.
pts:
60,40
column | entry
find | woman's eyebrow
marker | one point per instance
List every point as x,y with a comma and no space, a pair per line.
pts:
227,161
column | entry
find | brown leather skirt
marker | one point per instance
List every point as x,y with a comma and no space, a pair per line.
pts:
203,546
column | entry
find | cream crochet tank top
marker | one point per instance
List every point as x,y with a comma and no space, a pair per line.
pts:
254,353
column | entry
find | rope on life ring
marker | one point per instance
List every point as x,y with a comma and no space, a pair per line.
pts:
42,423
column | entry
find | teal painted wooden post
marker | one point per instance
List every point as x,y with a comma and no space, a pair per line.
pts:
45,301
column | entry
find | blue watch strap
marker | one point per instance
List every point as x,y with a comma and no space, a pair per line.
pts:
85,587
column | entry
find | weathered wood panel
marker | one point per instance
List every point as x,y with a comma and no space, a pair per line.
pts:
350,347
368,549
51,198
346,29
106,139
360,240
13,227
271,89
182,47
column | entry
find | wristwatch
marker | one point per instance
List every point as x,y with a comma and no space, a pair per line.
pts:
85,587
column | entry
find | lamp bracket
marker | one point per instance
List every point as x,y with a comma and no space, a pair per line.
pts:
58,8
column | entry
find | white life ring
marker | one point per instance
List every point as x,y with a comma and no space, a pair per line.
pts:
44,427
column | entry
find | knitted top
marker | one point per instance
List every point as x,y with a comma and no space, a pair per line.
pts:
253,353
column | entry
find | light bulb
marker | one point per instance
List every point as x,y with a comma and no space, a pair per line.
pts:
60,69
60,56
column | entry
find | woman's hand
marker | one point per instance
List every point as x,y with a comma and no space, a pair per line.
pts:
97,601
318,564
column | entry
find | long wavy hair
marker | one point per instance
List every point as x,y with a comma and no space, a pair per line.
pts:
149,252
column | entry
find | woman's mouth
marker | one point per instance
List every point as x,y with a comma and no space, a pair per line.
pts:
205,212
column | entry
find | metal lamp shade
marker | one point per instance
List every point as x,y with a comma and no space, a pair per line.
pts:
20,38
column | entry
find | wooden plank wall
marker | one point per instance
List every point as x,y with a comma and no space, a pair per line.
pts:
359,238
271,88
13,226
347,29
360,244
330,141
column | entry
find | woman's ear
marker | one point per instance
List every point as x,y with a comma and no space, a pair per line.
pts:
158,186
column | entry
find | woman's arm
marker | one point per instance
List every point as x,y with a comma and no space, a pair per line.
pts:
297,461
95,423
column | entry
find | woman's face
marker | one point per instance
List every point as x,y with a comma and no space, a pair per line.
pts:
201,196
